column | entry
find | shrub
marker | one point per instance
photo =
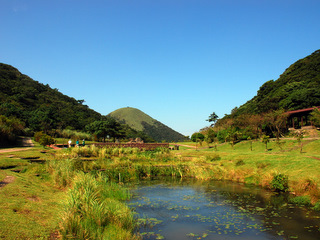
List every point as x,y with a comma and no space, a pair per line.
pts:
197,136
46,140
301,200
279,183
222,135
37,136
43,139
317,206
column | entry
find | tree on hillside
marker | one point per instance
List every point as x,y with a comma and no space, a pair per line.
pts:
255,123
315,117
197,136
233,136
276,121
10,128
213,118
209,136
42,119
107,127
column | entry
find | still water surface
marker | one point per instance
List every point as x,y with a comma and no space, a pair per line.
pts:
190,209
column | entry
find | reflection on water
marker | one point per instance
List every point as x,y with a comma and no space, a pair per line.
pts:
190,209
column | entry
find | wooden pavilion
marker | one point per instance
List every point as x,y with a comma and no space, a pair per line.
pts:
300,118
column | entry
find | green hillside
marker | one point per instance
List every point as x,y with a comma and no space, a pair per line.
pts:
39,106
140,121
298,87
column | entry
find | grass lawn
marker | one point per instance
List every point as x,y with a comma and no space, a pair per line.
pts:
30,204
285,158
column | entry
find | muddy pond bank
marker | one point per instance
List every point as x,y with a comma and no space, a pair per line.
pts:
191,209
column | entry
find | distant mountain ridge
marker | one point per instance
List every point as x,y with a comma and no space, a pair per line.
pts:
297,88
140,121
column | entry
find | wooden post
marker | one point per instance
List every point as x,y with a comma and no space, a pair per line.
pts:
292,122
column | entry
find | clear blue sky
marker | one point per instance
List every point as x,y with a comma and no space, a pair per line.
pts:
176,60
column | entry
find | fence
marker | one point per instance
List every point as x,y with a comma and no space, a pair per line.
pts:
146,146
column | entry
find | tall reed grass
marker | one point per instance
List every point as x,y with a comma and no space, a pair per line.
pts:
62,172
94,210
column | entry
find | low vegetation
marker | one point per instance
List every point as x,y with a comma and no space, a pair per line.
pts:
78,193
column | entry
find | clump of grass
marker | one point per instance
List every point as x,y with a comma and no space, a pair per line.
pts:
213,157
301,200
280,183
103,153
62,172
115,151
316,206
262,165
240,162
141,171
94,210
201,160
307,186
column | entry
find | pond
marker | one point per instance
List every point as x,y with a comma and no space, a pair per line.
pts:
190,209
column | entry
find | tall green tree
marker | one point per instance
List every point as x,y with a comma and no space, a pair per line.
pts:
213,118
106,127
197,136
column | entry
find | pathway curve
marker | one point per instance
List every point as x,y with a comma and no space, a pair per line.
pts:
26,143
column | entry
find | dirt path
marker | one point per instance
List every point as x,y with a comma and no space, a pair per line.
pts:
13,150
183,145
26,144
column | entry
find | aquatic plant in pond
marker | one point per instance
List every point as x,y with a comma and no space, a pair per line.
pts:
219,211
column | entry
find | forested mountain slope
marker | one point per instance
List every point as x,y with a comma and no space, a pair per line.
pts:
140,121
298,87
38,105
